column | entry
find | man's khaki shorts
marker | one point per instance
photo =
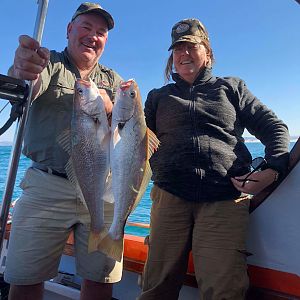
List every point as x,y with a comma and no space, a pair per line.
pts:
48,210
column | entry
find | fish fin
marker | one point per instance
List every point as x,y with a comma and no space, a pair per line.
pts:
144,184
95,239
64,140
115,137
108,194
71,173
153,142
73,179
112,248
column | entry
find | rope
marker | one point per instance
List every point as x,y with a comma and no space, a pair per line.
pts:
16,112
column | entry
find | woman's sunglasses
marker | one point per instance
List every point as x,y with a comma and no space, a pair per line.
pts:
256,165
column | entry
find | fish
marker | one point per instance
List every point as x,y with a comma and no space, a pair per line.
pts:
131,147
88,144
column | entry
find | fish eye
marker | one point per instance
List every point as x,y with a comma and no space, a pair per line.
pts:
132,94
121,125
80,91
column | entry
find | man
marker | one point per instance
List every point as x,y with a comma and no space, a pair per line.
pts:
49,208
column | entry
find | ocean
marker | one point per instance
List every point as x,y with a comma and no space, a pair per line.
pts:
140,215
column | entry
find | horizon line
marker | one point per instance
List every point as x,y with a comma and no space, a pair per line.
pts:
246,138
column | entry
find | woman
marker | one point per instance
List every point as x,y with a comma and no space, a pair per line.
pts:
202,184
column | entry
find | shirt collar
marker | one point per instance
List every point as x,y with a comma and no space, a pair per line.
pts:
204,76
75,70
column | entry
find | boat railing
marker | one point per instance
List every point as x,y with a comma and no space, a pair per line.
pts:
294,158
139,225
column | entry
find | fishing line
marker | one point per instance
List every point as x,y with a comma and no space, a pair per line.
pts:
4,107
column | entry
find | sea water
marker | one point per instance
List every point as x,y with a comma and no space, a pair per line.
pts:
140,215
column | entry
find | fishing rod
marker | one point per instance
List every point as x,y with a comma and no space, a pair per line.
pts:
16,91
19,134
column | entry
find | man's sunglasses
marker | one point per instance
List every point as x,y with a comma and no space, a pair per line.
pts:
256,165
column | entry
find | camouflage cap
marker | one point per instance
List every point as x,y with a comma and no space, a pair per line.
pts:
188,30
88,7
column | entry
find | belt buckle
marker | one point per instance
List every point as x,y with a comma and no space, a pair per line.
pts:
56,173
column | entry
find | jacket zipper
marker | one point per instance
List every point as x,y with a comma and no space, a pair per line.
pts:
195,142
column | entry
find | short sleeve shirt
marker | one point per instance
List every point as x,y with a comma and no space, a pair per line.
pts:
50,114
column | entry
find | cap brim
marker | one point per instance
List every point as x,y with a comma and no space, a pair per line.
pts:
187,38
103,13
107,16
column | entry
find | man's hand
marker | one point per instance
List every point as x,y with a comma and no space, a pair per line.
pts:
30,59
107,103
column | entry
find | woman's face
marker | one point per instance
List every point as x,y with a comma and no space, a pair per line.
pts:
189,59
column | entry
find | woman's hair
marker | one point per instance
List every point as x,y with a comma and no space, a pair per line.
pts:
169,66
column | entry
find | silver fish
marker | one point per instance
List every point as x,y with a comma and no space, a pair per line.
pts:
132,145
88,166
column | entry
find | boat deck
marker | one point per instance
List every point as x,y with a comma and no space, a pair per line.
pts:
273,269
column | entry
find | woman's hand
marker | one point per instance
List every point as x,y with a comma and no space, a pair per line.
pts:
256,182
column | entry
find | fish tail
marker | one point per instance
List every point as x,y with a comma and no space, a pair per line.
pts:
112,248
95,239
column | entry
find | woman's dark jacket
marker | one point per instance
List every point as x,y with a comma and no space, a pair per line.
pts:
200,129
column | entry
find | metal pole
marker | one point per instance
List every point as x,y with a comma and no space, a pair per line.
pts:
19,134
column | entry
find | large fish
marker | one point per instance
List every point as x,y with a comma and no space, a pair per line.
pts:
132,144
88,146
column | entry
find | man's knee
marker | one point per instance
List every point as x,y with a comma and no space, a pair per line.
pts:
26,292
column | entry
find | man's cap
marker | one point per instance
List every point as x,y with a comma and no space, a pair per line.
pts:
89,7
188,30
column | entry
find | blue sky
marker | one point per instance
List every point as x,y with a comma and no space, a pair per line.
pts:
257,40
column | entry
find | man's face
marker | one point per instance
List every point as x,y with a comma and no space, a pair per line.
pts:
87,36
